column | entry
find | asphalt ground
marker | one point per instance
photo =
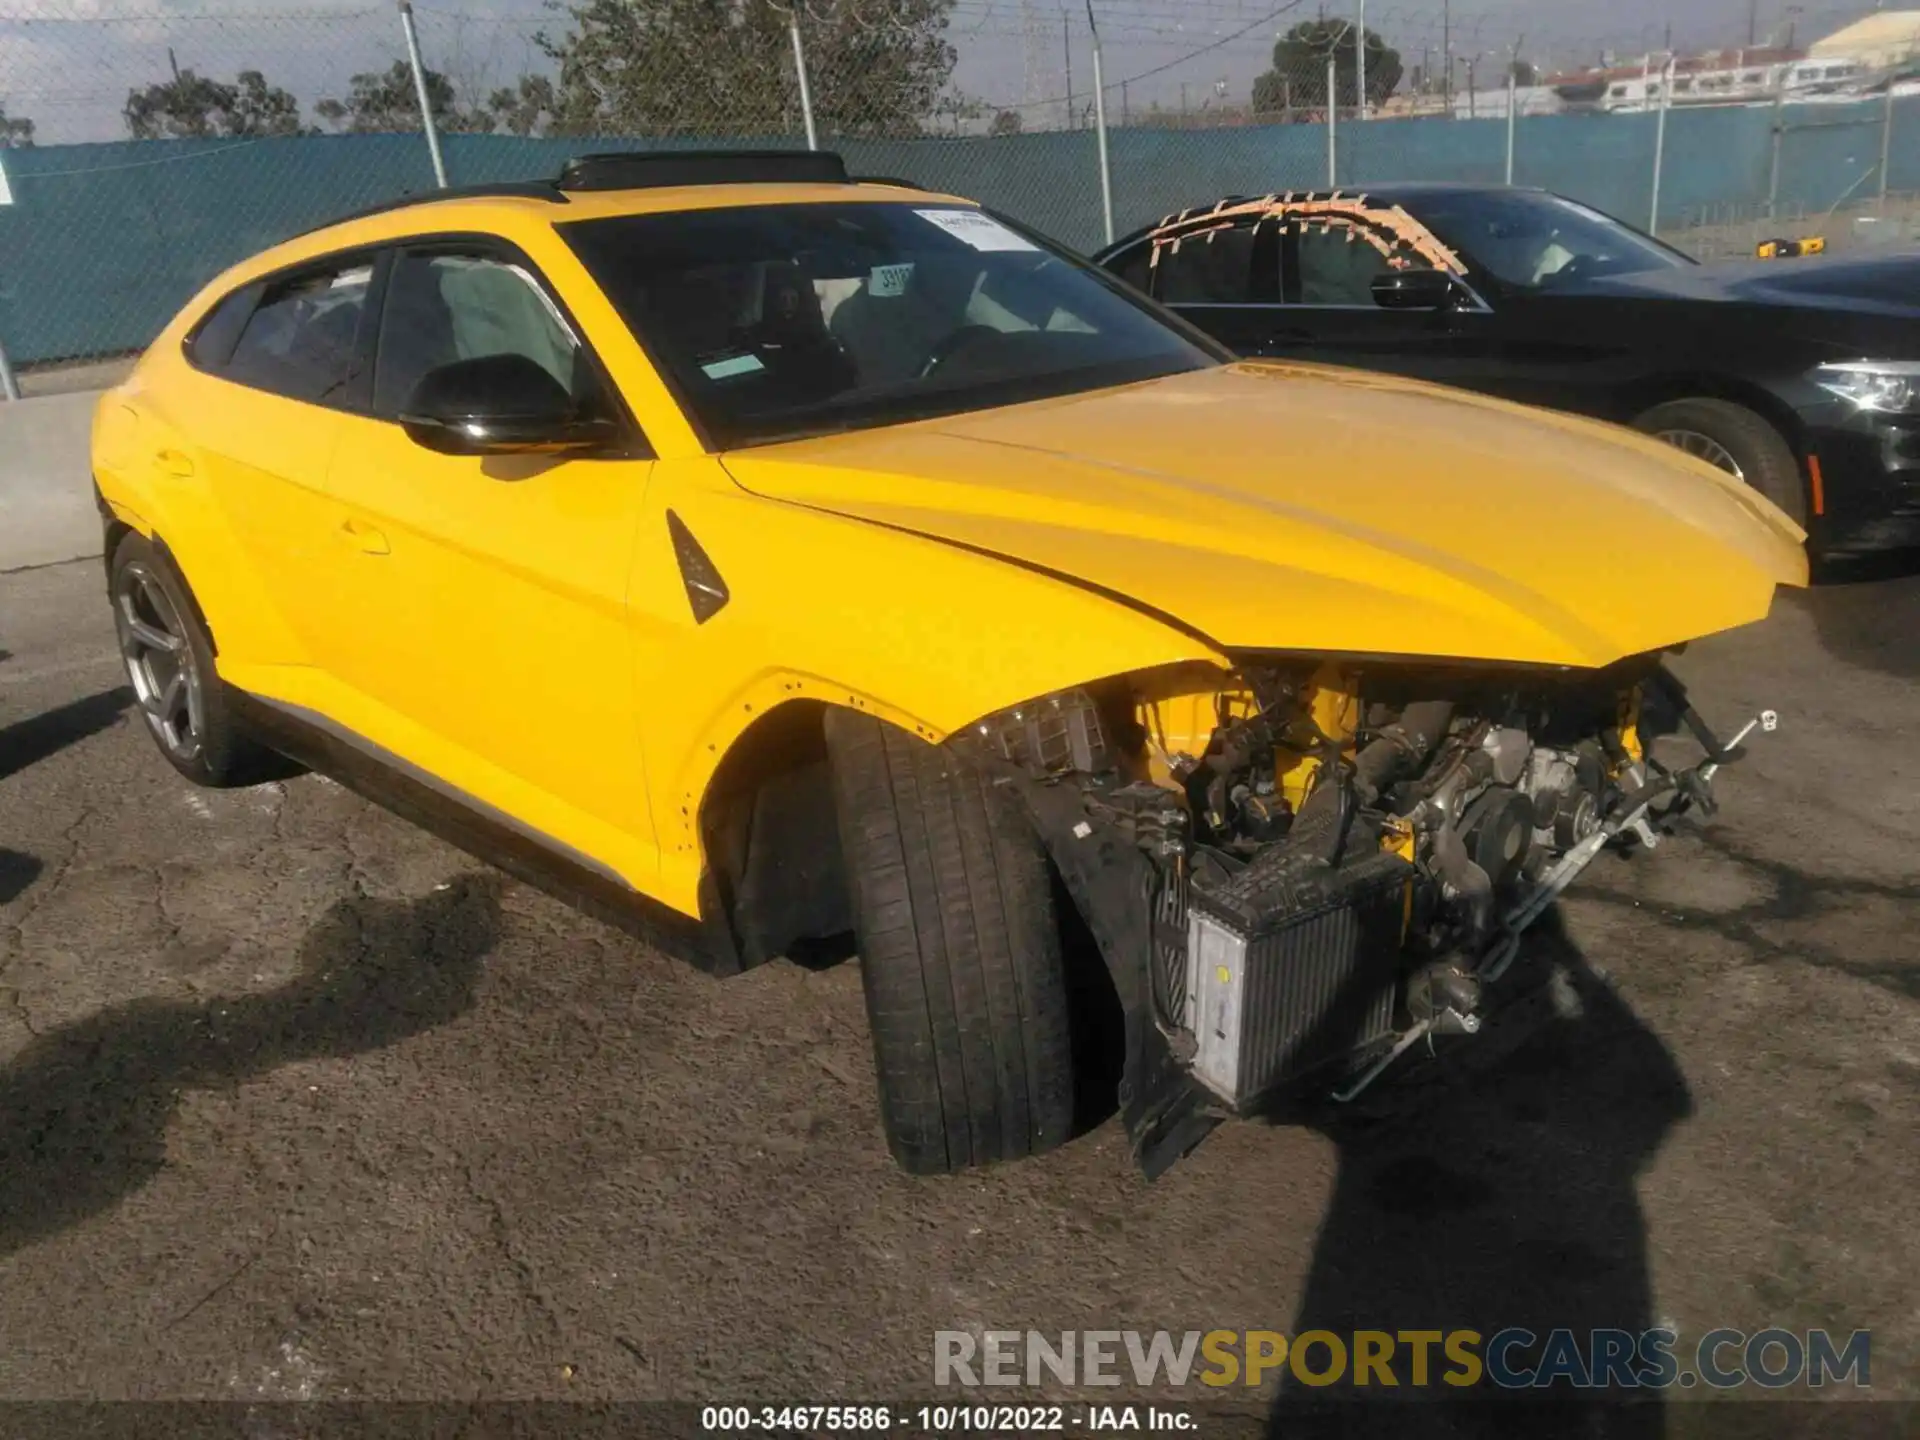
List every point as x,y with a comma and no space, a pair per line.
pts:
298,1103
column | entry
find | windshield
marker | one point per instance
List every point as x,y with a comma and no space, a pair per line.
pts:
1540,242
778,321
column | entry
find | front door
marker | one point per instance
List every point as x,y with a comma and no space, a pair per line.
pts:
480,627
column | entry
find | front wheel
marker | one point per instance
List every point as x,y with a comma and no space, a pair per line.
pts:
960,952
169,659
1737,440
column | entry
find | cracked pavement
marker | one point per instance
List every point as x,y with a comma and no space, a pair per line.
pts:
297,1102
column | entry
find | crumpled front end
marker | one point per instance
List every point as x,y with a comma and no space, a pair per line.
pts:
1299,869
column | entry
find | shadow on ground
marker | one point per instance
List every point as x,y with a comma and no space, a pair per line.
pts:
1868,612
17,871
28,742
1494,1188
84,1109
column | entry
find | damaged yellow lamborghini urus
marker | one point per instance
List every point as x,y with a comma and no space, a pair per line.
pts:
758,557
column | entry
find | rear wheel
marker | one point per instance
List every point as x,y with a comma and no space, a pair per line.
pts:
169,660
1736,440
960,952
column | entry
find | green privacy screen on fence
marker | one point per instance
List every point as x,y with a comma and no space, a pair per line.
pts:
104,242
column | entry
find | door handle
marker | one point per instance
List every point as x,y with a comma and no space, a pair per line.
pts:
370,539
174,462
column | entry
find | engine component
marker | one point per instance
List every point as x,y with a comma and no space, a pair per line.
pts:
1498,830
1291,964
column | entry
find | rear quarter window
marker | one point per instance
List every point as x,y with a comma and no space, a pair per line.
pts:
210,344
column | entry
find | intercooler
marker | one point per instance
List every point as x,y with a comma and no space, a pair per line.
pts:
1291,965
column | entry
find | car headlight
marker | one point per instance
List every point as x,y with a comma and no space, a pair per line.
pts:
1892,386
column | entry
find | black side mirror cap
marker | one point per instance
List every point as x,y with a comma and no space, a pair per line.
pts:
1416,290
500,405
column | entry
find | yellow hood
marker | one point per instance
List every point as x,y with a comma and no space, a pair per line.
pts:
1307,508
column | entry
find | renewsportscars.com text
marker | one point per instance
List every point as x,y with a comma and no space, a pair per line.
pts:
1512,1358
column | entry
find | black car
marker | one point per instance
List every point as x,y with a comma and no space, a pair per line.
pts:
1801,376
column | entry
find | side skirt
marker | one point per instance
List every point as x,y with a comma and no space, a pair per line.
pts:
391,783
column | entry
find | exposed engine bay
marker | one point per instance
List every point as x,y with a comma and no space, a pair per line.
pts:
1299,871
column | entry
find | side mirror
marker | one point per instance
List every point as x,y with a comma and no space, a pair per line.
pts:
499,405
1415,290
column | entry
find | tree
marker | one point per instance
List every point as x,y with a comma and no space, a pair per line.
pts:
1524,73
16,132
1006,122
386,101
526,109
193,106
711,67
1298,79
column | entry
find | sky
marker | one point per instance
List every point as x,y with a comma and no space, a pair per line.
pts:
68,64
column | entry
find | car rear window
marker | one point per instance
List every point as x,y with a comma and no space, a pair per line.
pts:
780,321
301,341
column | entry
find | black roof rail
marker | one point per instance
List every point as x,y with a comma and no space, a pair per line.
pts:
888,180
652,169
640,170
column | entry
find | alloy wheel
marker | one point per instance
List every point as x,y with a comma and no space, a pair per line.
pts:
166,679
1704,447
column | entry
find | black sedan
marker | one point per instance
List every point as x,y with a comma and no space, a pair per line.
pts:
1801,376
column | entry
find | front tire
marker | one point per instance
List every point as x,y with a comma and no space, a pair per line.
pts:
960,952
169,661
1737,440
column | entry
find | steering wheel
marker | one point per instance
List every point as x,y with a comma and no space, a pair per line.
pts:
952,343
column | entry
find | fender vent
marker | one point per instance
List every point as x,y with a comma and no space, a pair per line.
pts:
706,591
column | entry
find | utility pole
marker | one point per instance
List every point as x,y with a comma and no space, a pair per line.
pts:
1446,46
173,65
1753,23
1470,91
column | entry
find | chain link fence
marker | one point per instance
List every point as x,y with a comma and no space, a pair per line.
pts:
144,150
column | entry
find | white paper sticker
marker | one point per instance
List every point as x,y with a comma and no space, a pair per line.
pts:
731,366
6,192
887,281
982,232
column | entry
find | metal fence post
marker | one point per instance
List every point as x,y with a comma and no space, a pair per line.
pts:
1333,109
800,71
1513,88
1660,145
1360,57
9,387
1100,129
420,89
1779,128
1886,147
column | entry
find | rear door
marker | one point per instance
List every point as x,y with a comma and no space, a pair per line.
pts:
1225,279
1329,261
271,373
480,619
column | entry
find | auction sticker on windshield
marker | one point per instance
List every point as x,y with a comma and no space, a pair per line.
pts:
982,232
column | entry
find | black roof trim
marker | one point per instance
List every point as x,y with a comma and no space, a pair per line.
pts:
653,169
640,170
894,181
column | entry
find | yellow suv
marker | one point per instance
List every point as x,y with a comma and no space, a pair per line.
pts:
761,559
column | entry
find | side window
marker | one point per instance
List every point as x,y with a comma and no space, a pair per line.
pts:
1337,266
444,307
1132,267
300,341
212,342
1211,269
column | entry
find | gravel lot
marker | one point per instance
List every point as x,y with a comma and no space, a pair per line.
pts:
296,1102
